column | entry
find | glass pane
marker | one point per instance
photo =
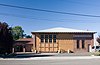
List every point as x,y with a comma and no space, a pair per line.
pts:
54,40
42,40
50,36
46,36
54,36
46,40
42,36
50,40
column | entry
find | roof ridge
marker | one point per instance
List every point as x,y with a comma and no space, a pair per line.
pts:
62,29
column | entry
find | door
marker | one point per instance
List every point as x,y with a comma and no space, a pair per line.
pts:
89,48
19,48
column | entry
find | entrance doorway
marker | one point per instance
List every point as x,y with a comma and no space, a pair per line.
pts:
19,48
89,48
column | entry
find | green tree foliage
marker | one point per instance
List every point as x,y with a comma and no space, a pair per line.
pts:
17,32
28,36
6,39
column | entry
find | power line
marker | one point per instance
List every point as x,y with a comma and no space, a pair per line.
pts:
84,3
23,16
27,17
50,11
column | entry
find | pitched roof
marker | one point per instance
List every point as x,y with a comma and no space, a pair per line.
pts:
28,40
25,39
63,30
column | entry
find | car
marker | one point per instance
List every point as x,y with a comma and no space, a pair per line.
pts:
96,48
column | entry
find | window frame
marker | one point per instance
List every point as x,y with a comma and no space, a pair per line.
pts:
78,44
46,38
50,38
83,44
42,38
54,38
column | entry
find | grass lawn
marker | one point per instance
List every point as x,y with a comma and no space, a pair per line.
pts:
96,53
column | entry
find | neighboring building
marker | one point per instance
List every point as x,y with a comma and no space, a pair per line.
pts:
23,45
63,40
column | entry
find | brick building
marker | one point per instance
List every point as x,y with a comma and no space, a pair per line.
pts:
23,45
63,40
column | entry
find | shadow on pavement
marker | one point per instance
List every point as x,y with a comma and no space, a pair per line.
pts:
28,55
24,55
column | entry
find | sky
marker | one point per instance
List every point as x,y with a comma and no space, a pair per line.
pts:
31,20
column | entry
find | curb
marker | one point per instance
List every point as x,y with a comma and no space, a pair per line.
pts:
53,58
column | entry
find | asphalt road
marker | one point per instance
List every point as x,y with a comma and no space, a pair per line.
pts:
51,62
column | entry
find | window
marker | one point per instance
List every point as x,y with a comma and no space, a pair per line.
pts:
78,44
54,38
50,38
83,44
46,38
42,38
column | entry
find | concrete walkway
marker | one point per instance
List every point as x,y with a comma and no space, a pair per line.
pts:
51,56
54,58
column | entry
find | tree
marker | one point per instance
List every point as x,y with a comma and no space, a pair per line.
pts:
28,36
17,32
98,40
6,39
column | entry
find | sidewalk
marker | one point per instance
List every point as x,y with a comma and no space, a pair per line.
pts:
54,58
51,56
66,58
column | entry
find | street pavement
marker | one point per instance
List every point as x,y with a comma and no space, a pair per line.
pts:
51,59
52,62
50,56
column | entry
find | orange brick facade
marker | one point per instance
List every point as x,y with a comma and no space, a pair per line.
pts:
73,42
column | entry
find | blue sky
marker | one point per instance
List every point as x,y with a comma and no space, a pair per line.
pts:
35,19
